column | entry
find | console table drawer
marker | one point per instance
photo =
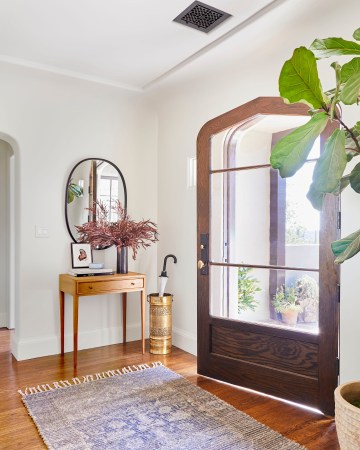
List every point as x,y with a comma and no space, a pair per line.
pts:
97,287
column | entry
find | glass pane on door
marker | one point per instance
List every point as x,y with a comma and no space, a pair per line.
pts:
249,144
258,218
276,298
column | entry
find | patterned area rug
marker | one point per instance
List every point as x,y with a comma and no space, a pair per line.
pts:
143,407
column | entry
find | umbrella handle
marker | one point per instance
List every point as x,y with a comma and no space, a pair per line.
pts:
165,260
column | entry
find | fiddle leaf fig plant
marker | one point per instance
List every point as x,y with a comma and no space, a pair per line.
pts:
299,82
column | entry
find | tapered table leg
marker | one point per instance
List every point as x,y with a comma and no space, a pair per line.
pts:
62,320
143,321
75,326
124,305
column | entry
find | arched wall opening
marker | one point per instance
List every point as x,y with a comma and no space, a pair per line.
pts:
8,231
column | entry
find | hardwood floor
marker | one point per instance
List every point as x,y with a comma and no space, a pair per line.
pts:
17,430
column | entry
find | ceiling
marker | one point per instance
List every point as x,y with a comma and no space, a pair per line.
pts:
132,44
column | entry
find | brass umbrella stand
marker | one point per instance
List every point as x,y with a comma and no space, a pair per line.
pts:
161,315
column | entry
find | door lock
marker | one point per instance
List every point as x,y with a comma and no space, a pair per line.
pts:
204,255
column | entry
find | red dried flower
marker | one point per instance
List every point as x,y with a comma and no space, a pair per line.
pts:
125,232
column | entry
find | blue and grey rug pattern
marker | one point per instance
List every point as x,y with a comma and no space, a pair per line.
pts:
143,407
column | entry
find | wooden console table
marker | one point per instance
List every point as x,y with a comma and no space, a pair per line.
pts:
97,285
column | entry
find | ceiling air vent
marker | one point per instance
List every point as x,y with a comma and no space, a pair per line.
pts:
202,17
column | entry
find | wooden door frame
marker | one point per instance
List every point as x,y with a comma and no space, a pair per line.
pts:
328,367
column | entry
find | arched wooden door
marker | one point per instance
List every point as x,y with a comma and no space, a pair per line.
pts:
256,245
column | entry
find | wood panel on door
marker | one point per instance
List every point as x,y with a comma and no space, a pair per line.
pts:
298,363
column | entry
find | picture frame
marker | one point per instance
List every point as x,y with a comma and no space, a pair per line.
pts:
81,255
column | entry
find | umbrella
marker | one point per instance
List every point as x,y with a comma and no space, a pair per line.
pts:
163,276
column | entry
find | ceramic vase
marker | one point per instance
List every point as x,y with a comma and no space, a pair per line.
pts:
122,260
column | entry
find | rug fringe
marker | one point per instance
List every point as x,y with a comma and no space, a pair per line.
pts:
62,384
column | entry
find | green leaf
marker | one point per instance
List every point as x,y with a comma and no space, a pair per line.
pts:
355,178
324,48
350,145
350,154
316,198
351,90
290,152
355,131
344,183
356,34
349,69
329,169
299,80
347,247
74,191
70,196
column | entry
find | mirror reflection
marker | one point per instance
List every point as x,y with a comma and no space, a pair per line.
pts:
92,180
265,224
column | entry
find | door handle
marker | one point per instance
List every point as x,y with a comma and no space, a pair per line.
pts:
200,264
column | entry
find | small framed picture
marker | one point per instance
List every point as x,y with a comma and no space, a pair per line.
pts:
81,255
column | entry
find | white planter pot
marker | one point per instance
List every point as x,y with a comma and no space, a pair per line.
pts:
347,416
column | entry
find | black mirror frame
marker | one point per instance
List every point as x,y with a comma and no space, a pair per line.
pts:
68,181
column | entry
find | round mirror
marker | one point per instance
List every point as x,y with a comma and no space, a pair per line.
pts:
92,180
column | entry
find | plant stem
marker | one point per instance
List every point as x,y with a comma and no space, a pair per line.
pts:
357,150
352,135
336,93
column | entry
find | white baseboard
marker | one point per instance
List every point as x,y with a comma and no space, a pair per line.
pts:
185,340
50,345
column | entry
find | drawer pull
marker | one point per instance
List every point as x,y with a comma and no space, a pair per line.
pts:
133,284
90,287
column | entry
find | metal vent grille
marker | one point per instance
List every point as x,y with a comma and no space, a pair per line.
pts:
202,17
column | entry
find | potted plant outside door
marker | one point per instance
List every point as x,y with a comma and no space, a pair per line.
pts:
285,302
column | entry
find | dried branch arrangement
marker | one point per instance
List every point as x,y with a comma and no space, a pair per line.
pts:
125,232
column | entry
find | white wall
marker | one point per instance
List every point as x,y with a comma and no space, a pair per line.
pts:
57,121
225,79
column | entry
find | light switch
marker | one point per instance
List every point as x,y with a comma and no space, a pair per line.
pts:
41,232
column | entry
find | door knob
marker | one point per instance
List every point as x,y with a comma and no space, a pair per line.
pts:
200,264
